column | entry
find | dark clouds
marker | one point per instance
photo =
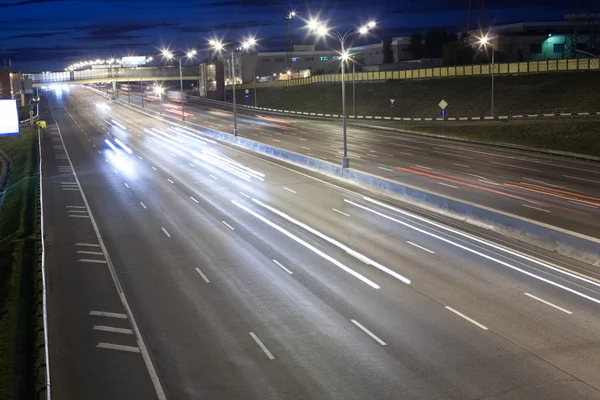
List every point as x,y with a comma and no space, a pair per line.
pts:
50,34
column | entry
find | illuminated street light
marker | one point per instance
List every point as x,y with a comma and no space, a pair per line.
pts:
166,53
484,41
218,46
320,29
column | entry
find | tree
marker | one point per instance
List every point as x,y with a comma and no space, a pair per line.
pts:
388,52
416,45
457,53
434,42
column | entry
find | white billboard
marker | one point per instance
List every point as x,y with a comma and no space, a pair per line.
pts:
133,61
9,118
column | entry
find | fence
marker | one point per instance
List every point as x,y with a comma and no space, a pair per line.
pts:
518,68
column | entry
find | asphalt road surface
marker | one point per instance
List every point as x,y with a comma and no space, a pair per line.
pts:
183,269
558,191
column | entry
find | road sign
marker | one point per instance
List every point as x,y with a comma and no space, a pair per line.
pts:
443,104
392,101
247,91
443,113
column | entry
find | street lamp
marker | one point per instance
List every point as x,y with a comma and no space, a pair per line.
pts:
218,45
189,55
320,29
159,90
486,41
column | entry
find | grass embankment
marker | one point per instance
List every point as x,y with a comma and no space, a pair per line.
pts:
19,268
467,96
577,135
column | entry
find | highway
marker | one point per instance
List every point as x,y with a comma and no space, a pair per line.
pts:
180,268
557,191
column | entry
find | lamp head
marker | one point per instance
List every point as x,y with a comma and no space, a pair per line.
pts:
248,43
322,30
313,25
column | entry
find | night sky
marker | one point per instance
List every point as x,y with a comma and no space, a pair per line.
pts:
50,34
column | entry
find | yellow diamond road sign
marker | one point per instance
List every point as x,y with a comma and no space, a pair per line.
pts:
443,104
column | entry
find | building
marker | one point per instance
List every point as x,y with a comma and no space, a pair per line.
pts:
264,66
5,89
538,41
372,54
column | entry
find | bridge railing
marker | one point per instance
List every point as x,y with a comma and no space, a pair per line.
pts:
112,73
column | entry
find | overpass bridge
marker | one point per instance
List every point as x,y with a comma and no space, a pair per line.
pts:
118,74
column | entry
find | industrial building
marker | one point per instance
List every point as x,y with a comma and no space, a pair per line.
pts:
573,37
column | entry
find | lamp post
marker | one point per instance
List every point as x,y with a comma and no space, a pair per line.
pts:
321,30
485,41
218,45
255,78
189,55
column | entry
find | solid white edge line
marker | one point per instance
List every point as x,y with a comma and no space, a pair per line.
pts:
165,231
548,303
130,349
368,332
420,247
262,346
229,226
107,314
44,293
202,275
142,346
467,318
282,267
112,329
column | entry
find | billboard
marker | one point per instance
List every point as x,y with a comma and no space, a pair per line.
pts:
9,118
133,61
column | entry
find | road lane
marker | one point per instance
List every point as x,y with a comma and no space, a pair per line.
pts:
493,177
305,318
